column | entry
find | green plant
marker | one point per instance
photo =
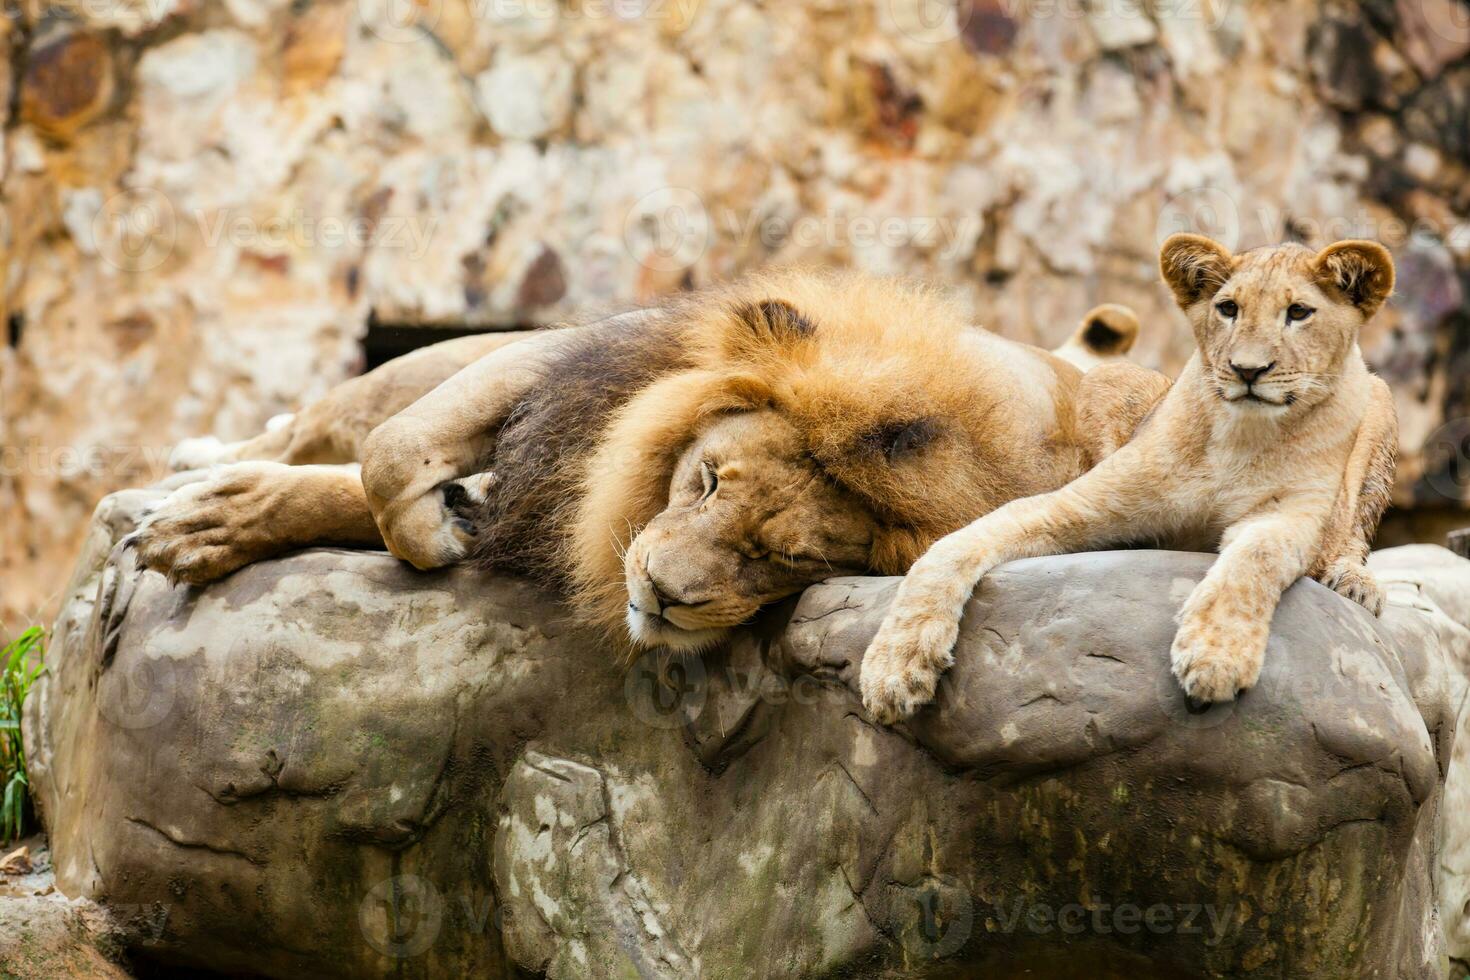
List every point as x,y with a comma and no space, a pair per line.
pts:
21,662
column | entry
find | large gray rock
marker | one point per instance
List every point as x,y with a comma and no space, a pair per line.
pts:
331,765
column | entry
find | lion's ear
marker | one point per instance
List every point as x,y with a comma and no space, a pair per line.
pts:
895,440
1361,271
1194,267
775,319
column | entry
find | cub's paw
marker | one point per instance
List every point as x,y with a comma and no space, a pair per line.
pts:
1215,662
1352,580
207,529
902,666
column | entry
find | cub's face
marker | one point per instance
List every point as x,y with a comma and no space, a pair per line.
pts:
1275,326
751,519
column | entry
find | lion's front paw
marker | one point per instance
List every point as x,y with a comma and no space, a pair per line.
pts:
1352,580
902,666
205,530
1216,661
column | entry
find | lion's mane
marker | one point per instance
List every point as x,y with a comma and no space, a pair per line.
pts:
880,377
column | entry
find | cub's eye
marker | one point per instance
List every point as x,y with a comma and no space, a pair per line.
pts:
1296,313
711,479
1228,309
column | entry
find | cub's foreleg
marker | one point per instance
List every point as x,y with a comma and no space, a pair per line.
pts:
1226,621
916,641
1367,485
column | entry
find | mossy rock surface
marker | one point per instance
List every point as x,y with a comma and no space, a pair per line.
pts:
331,765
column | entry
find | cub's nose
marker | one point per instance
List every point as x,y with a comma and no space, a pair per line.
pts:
1250,375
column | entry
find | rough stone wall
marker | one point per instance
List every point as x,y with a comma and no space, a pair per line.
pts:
330,765
206,202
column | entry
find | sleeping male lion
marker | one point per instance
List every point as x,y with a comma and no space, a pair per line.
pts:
670,470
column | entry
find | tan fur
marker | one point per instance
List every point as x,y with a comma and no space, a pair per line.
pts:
788,419
332,429
850,423
243,512
1286,476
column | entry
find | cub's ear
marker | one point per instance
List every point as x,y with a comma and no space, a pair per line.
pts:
1360,271
775,319
1194,267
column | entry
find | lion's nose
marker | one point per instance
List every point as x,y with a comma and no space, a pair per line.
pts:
1250,374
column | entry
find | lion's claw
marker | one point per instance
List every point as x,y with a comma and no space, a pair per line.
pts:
1216,663
1353,581
205,530
902,666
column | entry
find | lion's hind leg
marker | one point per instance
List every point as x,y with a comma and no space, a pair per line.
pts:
205,451
1112,402
245,512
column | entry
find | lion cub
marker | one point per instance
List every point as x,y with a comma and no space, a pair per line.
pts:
1275,446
